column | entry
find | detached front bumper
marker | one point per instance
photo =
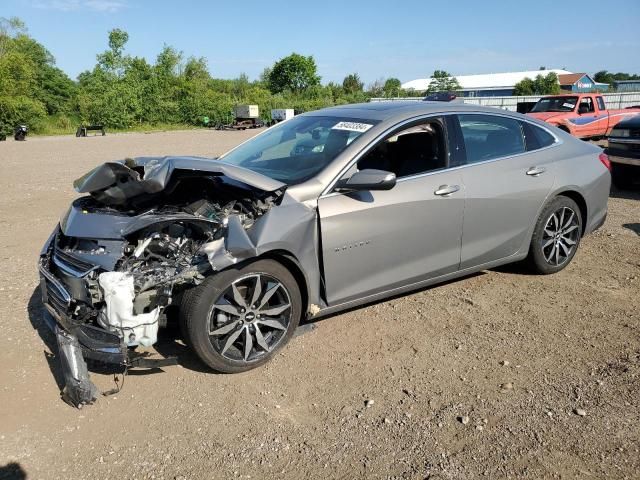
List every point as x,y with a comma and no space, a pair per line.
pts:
96,342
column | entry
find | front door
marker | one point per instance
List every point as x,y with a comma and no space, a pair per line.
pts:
374,241
589,121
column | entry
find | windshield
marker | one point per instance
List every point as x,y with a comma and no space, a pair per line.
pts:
296,150
555,104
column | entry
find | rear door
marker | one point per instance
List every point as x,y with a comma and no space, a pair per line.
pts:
374,241
507,178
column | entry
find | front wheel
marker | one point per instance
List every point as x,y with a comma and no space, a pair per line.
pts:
239,318
556,236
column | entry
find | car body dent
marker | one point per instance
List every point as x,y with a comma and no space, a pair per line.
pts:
158,171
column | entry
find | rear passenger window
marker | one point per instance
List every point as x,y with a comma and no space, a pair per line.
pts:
489,136
536,137
601,105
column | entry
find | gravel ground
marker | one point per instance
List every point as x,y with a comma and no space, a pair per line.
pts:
501,374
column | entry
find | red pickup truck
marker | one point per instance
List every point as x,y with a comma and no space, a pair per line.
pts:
583,115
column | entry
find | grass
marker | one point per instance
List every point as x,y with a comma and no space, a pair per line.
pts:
65,125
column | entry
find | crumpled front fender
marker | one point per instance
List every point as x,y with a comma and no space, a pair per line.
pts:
291,227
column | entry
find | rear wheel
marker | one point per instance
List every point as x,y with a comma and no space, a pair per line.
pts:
556,236
239,318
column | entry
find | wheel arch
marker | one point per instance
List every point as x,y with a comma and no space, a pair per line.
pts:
580,201
291,263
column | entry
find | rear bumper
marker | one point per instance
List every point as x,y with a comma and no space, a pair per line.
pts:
597,198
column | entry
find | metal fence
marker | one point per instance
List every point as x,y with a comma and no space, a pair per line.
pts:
613,100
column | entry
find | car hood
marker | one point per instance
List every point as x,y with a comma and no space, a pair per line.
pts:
546,116
116,182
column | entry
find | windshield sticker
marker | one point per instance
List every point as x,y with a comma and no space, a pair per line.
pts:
568,105
352,126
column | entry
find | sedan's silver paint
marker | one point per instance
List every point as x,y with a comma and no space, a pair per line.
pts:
375,240
383,242
502,203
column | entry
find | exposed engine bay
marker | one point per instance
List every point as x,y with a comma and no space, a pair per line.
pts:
159,259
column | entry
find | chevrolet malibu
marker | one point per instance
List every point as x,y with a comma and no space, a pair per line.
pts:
326,211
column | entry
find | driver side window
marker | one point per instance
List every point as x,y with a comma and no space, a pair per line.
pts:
411,151
586,105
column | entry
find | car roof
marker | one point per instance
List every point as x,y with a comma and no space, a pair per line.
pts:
397,110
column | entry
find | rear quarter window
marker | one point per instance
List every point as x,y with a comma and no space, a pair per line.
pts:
487,137
536,137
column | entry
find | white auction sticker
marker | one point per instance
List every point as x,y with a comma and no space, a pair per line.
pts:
352,126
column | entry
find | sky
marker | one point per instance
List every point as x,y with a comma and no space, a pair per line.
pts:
406,40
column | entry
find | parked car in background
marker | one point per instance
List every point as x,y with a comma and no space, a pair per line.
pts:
327,211
624,152
583,115
440,97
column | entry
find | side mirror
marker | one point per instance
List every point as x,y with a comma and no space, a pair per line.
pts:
368,179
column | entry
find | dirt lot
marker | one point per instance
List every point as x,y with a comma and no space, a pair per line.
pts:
478,377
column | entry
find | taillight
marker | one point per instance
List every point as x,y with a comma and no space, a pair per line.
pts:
604,158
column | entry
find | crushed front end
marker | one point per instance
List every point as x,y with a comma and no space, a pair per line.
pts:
122,255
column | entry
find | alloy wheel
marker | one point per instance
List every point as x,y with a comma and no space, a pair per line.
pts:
560,237
250,318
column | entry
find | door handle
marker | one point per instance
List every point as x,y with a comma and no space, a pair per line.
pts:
446,190
535,171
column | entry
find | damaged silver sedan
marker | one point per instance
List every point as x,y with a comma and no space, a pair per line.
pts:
323,212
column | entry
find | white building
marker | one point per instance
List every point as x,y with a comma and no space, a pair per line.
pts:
486,85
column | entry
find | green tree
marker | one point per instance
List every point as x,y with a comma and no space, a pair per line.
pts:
196,69
10,28
295,73
114,60
604,76
113,92
524,87
264,76
241,86
442,81
352,83
541,85
30,84
547,84
392,87
51,85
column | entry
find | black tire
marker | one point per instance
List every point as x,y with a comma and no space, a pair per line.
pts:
622,176
197,317
545,257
